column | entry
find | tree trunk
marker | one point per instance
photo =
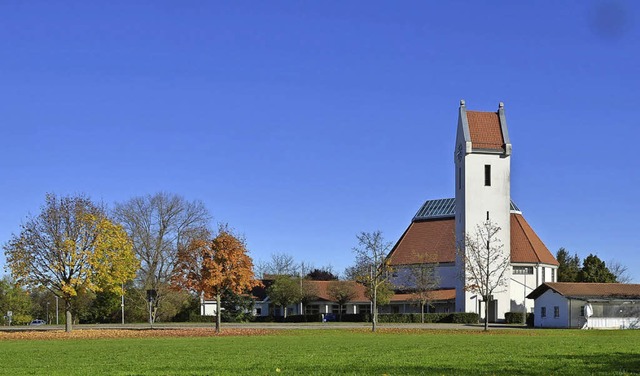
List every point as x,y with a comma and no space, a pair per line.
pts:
374,321
218,312
486,304
284,309
486,313
68,322
422,313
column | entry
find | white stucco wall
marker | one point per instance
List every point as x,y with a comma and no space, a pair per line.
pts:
551,299
447,274
474,200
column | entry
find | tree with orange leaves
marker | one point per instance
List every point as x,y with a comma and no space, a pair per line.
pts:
213,266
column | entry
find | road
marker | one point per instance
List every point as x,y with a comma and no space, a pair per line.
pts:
275,326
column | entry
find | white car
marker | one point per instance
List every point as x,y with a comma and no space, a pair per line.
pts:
37,322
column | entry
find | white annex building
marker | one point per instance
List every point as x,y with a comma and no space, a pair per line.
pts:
482,160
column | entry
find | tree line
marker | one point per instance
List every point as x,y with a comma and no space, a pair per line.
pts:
591,269
158,254
156,251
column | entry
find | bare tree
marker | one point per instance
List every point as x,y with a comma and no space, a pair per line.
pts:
342,292
621,272
159,225
423,279
484,263
279,264
372,268
309,293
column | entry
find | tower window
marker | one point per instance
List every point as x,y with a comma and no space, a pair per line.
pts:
487,216
487,175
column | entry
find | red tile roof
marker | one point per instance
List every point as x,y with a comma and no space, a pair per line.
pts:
323,290
526,246
434,241
436,295
589,290
426,241
485,130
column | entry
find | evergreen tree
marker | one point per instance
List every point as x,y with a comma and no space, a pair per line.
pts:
595,270
569,268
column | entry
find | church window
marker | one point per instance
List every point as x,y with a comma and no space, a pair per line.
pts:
523,270
543,311
487,175
553,275
487,216
544,274
556,312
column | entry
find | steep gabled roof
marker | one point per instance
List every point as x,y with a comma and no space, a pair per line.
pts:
426,241
485,130
526,246
589,290
431,238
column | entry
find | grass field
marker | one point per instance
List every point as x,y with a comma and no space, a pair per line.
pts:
326,352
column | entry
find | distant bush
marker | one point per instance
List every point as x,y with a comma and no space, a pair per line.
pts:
21,319
456,317
464,318
516,318
530,319
513,318
356,317
194,317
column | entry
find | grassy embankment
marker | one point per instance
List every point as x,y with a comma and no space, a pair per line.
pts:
326,352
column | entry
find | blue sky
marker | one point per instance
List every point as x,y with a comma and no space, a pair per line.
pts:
304,123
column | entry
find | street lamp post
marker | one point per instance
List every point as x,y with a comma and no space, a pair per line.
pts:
122,303
47,313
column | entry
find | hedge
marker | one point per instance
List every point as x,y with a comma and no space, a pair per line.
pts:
516,318
408,318
456,317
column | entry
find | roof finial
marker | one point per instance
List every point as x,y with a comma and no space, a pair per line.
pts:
501,105
461,102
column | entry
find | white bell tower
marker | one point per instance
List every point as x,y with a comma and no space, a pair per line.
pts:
482,162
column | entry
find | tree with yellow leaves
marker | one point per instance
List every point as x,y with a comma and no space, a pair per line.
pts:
214,266
69,247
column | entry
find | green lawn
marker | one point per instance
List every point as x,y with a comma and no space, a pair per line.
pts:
326,352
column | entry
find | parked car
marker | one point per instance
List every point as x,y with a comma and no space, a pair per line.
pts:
329,317
37,322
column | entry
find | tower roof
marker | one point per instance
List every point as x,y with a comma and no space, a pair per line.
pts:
484,131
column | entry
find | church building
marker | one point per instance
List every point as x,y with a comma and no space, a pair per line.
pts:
436,234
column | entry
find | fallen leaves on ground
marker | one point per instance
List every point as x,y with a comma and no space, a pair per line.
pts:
129,333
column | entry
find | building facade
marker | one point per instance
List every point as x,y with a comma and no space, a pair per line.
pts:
587,305
482,162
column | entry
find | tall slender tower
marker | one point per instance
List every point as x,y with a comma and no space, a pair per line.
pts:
483,167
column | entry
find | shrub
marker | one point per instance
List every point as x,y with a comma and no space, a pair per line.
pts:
356,317
457,318
464,318
20,319
530,319
513,317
